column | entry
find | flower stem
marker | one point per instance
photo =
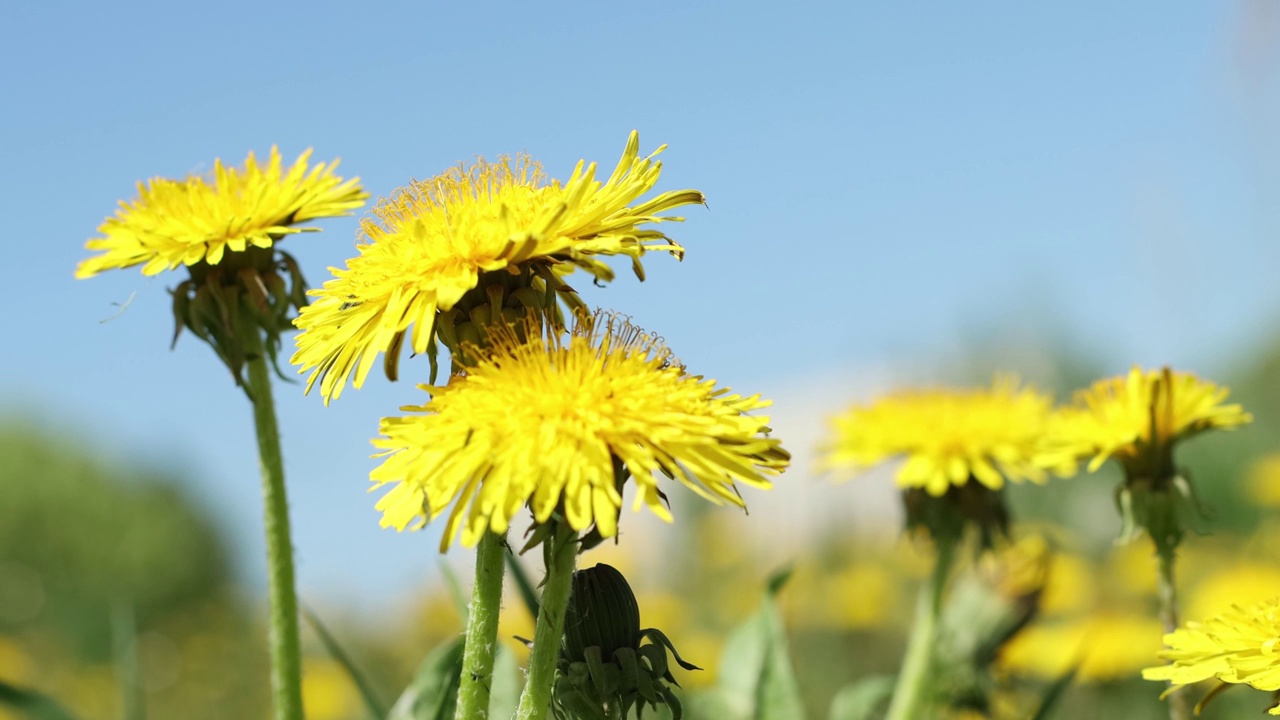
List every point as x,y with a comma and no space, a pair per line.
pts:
1167,592
909,693
286,656
559,554
482,630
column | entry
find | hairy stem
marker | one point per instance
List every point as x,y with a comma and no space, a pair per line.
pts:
286,656
482,630
560,554
1167,592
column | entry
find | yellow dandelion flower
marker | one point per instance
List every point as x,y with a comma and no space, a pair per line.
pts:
476,228
1239,646
542,422
1138,417
948,436
183,222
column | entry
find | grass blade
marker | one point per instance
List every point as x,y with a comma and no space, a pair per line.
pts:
372,703
35,705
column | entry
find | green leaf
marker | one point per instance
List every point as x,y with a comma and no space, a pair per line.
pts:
757,680
372,703
861,700
504,696
455,591
433,693
527,592
35,705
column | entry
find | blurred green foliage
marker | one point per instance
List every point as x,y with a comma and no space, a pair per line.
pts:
82,541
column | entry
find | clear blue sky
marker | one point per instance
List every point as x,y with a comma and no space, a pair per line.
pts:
882,179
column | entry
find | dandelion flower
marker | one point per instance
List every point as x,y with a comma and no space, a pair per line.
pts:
1137,419
947,436
1236,647
503,228
543,422
184,222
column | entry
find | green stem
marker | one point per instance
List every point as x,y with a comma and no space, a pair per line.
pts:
286,656
124,641
482,630
1167,593
560,554
909,695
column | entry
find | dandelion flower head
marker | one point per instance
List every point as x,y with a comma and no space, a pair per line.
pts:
430,243
946,436
544,422
1240,646
184,222
1137,416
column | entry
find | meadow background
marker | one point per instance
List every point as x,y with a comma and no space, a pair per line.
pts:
897,195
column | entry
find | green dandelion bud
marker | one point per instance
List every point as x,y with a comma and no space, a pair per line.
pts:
606,665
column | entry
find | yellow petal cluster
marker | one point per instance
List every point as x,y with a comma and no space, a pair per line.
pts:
541,422
431,241
1240,646
1130,416
183,222
947,436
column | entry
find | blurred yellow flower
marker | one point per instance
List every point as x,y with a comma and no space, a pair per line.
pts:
1264,481
432,241
1129,568
328,692
1020,569
1069,586
1106,646
15,665
1241,645
676,617
183,222
1243,583
1138,417
947,436
860,596
541,422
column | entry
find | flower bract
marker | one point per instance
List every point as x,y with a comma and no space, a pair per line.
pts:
503,227
947,436
548,421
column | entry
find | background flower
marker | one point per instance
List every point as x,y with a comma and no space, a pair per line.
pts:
1137,415
947,436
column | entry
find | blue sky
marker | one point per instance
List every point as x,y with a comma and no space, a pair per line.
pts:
884,180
